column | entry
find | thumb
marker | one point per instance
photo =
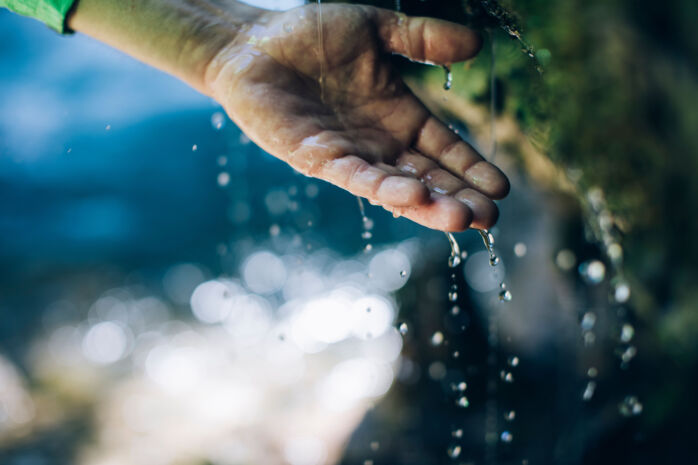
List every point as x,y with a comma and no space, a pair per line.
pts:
426,39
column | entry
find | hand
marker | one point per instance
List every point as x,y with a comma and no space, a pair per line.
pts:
328,101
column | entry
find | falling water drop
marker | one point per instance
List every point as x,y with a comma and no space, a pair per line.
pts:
437,338
588,321
630,406
505,295
453,293
403,273
626,333
510,415
513,361
454,451
449,78
217,120
506,376
458,433
462,402
506,436
455,258
403,328
366,224
589,391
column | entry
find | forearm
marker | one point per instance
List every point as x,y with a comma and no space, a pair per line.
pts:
180,37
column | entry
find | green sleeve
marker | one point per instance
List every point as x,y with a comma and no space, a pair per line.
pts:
50,12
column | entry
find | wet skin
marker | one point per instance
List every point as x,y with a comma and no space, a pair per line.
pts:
317,89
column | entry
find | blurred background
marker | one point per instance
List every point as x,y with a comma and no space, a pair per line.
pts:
170,294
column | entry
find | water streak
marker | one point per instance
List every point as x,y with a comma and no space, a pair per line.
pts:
493,100
321,45
366,225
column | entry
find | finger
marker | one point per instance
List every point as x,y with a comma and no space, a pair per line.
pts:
377,185
426,39
450,151
442,212
434,177
485,212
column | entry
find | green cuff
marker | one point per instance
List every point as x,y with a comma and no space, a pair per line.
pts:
50,12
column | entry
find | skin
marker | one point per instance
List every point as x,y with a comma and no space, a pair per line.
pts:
336,108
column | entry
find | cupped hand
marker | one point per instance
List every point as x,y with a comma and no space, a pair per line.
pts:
316,88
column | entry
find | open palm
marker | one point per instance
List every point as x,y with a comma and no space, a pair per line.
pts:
316,88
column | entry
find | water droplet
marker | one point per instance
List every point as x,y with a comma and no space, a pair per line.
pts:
592,372
217,120
513,361
403,328
452,296
464,255
506,376
628,354
368,248
437,338
588,321
622,293
520,249
222,160
453,261
457,433
456,354
454,451
375,445
194,148
455,310
589,391
589,339
462,402
505,295
274,230
593,271
626,333
223,179
366,235
368,223
565,259
403,273
107,127
449,78
506,436
462,386
630,406
494,260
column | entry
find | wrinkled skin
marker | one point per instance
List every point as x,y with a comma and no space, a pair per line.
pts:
336,109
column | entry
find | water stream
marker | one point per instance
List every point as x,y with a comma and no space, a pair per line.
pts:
321,50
